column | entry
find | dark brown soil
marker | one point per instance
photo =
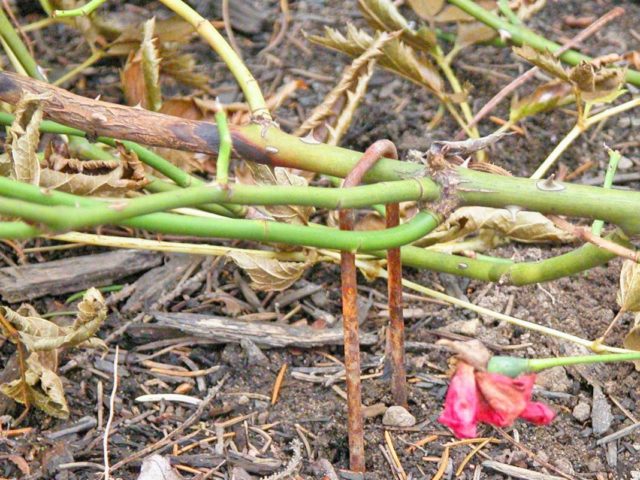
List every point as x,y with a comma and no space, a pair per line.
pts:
581,305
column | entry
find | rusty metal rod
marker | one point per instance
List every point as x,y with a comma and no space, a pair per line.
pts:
355,422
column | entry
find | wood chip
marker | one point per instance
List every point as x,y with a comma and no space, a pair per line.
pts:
72,274
227,330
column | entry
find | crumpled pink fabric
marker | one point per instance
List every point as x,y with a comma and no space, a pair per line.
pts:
480,397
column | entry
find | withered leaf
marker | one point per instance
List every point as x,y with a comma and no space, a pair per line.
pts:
384,16
526,227
331,119
42,387
23,138
93,177
629,293
597,84
269,274
632,339
257,174
546,61
470,33
426,9
397,56
141,74
38,334
544,98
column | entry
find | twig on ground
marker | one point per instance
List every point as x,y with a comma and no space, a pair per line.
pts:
112,408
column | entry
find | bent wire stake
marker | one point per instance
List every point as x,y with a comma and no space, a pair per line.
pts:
355,423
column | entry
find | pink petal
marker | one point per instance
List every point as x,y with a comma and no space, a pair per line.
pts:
538,413
507,397
461,403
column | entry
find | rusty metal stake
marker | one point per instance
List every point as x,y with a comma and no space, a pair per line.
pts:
355,422
395,332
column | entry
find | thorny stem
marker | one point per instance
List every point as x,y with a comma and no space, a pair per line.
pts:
224,154
243,76
276,148
514,366
84,10
256,230
614,159
521,35
18,48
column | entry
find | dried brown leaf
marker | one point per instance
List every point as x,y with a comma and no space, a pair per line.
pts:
544,98
426,9
42,387
595,83
38,334
182,67
470,33
151,67
629,292
543,60
526,227
333,116
23,139
93,177
384,16
397,56
251,173
632,339
141,74
269,274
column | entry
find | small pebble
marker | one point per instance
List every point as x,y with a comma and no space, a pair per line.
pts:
564,465
582,411
254,355
555,380
464,327
601,416
397,416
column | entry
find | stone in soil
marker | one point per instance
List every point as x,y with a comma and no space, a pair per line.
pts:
397,416
555,380
582,411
